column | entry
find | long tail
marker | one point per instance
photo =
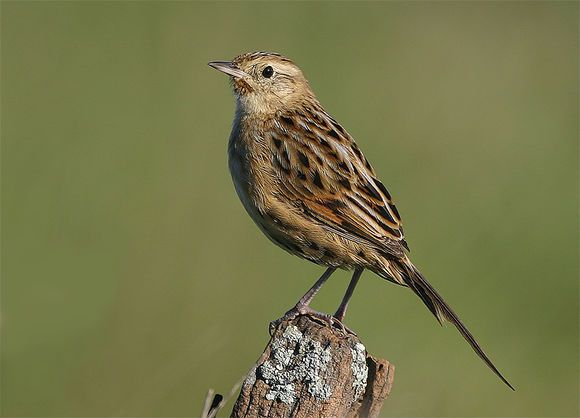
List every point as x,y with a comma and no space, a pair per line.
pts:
413,278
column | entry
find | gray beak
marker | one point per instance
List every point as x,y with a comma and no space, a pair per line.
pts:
228,67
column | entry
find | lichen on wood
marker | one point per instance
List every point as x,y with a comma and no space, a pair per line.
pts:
310,369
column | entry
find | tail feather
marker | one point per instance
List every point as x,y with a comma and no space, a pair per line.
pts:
441,310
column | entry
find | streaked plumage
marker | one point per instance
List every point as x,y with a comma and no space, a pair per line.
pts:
306,184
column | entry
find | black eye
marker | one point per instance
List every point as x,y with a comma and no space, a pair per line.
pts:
268,72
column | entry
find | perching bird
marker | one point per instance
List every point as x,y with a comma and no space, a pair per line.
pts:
309,188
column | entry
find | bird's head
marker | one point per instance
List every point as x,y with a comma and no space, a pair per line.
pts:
265,82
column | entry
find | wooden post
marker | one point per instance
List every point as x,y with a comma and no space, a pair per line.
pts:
309,369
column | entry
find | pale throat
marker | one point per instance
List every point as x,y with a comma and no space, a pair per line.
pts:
252,104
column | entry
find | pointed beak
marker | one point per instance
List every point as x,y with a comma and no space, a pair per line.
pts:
228,68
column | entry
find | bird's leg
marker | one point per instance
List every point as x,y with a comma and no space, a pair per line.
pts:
303,308
341,311
308,296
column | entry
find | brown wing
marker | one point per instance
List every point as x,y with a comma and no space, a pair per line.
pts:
327,175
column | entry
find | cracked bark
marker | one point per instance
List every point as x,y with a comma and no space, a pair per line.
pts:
309,369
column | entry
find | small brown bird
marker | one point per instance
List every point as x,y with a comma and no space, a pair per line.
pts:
309,188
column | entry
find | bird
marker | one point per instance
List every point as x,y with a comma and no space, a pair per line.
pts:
308,187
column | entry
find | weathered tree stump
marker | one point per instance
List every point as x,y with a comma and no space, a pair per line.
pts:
309,369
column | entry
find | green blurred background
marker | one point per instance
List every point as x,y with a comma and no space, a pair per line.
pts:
132,279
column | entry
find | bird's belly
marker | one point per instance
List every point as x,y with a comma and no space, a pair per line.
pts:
260,203
281,221
243,182
249,183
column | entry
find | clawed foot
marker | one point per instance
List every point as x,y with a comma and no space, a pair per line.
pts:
307,310
343,328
